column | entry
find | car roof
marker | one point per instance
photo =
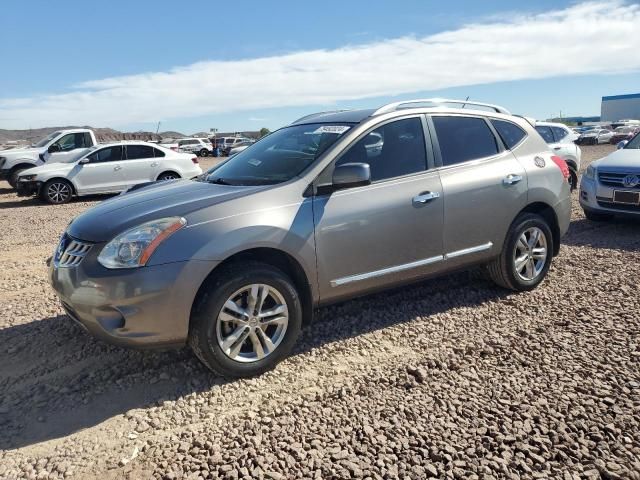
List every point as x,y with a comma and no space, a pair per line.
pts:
551,124
127,142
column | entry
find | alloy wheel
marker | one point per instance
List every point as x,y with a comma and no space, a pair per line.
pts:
252,323
59,192
530,254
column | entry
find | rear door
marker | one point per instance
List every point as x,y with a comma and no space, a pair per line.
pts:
483,183
103,173
386,232
140,165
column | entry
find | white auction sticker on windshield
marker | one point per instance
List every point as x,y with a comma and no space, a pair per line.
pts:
338,129
254,161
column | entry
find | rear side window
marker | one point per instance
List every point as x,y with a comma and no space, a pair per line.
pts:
110,154
393,150
135,152
463,139
546,134
510,133
158,153
559,133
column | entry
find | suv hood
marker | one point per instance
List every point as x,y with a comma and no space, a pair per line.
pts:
621,159
21,152
176,198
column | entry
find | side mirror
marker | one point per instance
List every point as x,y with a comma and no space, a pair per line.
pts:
351,175
83,161
54,148
621,144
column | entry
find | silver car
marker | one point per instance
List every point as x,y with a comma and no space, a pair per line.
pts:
611,186
333,206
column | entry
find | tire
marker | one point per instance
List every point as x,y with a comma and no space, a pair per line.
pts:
13,177
207,333
57,191
168,176
503,270
204,152
573,179
597,217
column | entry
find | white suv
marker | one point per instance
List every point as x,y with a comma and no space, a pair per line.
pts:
561,140
106,168
200,146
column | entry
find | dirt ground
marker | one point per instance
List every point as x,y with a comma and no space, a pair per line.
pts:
451,378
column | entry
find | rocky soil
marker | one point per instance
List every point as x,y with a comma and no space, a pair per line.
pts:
451,378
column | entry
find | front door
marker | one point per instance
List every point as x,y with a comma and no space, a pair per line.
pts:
484,185
140,165
386,232
103,173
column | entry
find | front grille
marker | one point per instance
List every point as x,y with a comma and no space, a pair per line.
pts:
615,179
618,206
70,251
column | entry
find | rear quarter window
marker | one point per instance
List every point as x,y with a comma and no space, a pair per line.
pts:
510,133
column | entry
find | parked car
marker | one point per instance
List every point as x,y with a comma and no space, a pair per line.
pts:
239,147
55,147
562,141
235,264
225,144
595,136
611,186
623,133
108,168
200,146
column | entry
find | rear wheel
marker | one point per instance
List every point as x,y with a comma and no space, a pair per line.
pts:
526,255
597,217
573,179
168,176
247,320
57,191
204,152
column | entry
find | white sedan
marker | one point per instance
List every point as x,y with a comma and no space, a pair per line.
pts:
106,168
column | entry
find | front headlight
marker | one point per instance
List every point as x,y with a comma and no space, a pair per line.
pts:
590,173
134,247
27,178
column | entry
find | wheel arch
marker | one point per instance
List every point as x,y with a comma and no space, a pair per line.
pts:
547,212
168,170
278,259
22,165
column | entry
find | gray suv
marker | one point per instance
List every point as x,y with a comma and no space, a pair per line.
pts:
333,206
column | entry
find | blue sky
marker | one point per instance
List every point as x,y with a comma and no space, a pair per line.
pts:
76,61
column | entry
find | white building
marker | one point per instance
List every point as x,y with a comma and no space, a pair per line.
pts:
619,107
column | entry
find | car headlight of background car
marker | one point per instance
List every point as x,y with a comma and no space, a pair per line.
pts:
133,248
27,178
590,173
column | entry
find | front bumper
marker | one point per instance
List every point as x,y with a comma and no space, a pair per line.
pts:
147,307
598,198
28,188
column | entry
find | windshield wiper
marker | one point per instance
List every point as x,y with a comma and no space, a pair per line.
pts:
219,181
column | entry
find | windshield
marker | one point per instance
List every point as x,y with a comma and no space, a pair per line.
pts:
45,140
634,143
278,157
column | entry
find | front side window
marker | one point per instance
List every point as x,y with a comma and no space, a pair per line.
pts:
71,141
109,154
634,143
546,134
463,139
136,152
393,150
560,133
278,157
510,133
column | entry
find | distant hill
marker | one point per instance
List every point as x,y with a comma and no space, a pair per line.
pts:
102,134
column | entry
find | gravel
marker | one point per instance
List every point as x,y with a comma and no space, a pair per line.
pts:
451,378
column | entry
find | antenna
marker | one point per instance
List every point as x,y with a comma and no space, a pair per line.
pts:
465,101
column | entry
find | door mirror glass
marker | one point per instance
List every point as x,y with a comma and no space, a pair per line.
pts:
54,148
84,161
351,175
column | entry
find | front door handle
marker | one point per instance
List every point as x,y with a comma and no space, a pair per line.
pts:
511,179
426,197
116,168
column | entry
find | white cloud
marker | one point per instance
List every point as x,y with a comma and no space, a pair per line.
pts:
588,38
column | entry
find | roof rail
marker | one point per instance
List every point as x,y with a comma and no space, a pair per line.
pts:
317,114
392,107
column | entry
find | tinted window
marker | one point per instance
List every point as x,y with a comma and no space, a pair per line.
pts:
464,138
392,150
510,133
87,139
135,152
559,133
110,154
158,153
545,133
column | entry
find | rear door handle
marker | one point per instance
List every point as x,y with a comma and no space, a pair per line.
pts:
511,179
154,164
116,168
557,148
426,197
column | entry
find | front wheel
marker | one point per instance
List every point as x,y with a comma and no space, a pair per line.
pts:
526,255
13,177
204,152
246,321
57,191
